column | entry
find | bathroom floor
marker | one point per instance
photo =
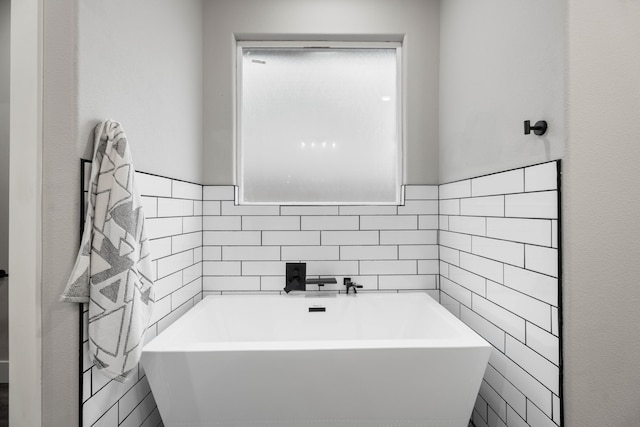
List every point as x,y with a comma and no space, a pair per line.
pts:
4,405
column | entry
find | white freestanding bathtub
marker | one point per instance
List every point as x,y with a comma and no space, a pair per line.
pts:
367,360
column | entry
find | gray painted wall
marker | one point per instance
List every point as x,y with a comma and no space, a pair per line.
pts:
5,24
140,63
60,216
601,202
115,62
286,19
501,62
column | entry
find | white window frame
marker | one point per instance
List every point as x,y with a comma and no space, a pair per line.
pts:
240,45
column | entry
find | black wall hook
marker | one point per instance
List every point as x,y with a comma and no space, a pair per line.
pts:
539,129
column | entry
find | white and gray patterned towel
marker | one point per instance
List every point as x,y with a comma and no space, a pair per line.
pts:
113,269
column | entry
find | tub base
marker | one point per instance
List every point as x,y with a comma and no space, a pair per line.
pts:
363,387
389,360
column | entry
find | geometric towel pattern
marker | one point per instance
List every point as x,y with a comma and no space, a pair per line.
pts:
112,271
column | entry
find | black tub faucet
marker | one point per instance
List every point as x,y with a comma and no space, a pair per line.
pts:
296,277
349,284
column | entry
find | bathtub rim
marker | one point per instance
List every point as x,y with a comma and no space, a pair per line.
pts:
467,337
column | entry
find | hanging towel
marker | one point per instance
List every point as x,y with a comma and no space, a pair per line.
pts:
113,269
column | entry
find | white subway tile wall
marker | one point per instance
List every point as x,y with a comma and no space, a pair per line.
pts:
381,247
486,247
499,273
174,226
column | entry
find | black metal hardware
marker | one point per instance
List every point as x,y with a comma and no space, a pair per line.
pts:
296,277
351,285
539,128
84,165
317,309
3,274
321,281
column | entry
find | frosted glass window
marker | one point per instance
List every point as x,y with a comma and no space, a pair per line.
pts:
319,125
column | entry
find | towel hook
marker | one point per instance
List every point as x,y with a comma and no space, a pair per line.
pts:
539,128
